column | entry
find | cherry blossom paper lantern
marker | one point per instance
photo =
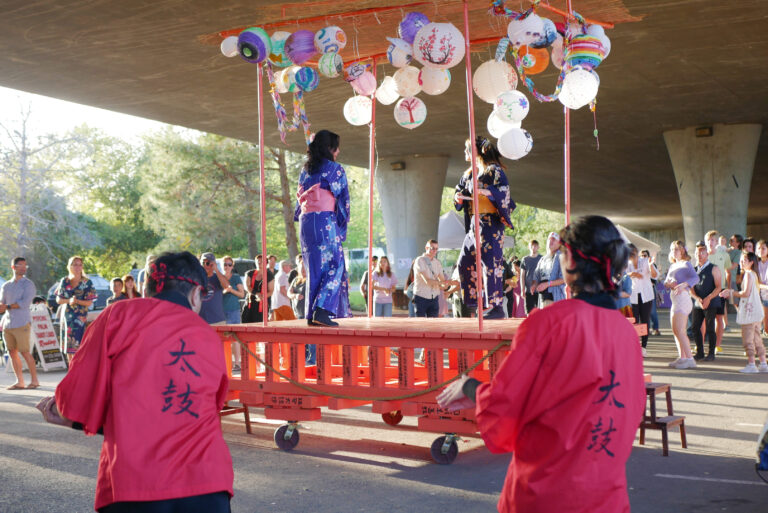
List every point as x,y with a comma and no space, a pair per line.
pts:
434,81
511,106
399,53
497,126
307,79
253,45
277,55
229,46
515,143
358,110
330,39
580,87
410,26
407,81
410,112
300,46
365,84
492,78
439,45
387,91
330,65
526,31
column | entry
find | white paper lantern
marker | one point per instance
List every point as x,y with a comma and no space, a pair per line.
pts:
410,112
557,57
330,39
439,45
599,32
434,81
407,81
579,88
399,53
511,106
330,65
497,127
358,110
365,84
515,143
286,80
526,31
229,46
280,85
493,78
387,91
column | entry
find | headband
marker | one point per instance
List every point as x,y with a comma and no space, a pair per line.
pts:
604,261
158,273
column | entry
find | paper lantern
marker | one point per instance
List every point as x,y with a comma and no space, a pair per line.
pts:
330,65
548,35
307,79
585,51
253,45
535,60
515,143
492,78
330,39
526,31
434,81
365,84
511,106
556,56
399,53
277,56
387,91
355,70
599,32
580,87
497,126
229,46
410,112
407,81
438,45
286,83
300,46
358,110
410,26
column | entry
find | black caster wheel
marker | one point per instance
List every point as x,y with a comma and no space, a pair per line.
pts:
286,444
393,418
442,452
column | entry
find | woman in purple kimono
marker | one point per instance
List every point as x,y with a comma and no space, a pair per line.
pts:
322,210
495,209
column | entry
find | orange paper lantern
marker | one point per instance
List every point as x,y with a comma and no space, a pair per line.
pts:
535,60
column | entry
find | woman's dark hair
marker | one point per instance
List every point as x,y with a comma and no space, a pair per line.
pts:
752,257
176,271
321,148
599,254
487,151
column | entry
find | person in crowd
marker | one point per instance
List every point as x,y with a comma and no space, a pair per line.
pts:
428,281
384,283
734,252
654,326
548,280
76,293
116,286
299,261
706,296
569,396
750,313
749,245
129,287
722,260
528,268
681,277
762,274
458,307
212,310
150,376
515,298
143,273
322,210
624,293
232,294
297,292
281,302
642,291
16,296
272,263
410,283
254,309
364,281
495,206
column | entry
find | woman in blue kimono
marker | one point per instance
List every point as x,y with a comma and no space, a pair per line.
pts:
322,210
495,208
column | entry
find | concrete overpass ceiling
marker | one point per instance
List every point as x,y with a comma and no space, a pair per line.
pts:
685,63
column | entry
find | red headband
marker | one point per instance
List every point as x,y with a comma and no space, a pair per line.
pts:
605,261
159,276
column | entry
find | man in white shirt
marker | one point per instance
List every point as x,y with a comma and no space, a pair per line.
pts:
281,303
428,282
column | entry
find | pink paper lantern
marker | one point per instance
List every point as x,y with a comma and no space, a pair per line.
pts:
365,84
300,46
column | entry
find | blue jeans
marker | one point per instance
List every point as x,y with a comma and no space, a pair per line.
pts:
654,316
232,317
426,307
382,309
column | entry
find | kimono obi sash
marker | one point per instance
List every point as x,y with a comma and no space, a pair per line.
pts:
316,199
485,207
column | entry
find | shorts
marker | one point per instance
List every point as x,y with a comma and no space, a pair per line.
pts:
765,302
720,310
17,338
681,303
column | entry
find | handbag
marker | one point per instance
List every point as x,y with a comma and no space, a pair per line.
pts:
750,308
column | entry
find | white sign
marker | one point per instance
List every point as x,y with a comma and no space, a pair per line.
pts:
44,339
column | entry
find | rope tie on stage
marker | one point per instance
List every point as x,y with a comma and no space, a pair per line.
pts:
357,398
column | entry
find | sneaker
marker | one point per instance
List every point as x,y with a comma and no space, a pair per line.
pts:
645,353
718,350
749,369
698,356
763,367
236,368
686,363
656,333
674,364
709,358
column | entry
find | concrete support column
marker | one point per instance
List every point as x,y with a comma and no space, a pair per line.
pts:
410,202
713,176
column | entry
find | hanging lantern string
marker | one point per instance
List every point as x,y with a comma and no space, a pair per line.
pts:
593,108
299,111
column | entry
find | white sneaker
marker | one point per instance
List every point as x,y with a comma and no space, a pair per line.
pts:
749,369
674,364
763,367
686,363
645,353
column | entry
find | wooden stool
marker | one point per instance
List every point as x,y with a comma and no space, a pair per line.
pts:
231,410
651,421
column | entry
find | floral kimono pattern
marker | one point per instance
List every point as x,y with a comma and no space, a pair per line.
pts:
321,235
75,315
491,237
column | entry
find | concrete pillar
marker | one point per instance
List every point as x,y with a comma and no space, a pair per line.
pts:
410,203
713,176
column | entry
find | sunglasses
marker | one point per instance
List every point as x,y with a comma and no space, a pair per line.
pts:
207,264
228,265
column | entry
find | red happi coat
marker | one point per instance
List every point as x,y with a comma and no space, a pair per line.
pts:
567,401
152,374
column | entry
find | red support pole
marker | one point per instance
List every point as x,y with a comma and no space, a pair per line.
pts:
475,200
372,169
264,270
